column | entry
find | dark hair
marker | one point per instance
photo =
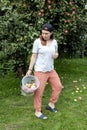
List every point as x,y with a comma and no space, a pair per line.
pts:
47,27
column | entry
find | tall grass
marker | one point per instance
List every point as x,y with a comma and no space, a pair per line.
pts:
17,112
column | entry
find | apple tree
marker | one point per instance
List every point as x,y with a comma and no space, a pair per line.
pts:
21,22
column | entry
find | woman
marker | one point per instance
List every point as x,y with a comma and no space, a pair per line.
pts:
43,54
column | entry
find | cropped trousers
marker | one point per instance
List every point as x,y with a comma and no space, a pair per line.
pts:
54,81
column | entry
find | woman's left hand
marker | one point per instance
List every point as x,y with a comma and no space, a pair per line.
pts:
55,55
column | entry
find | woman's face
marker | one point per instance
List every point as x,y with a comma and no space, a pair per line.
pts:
46,34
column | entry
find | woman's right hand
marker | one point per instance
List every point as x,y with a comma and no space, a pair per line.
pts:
28,73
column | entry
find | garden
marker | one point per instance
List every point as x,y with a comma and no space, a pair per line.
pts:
20,25
17,112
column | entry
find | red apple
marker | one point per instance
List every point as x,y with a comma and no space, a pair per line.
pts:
49,1
42,10
49,7
70,3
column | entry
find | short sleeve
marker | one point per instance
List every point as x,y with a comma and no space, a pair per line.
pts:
35,47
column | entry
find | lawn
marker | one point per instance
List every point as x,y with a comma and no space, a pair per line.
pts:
17,112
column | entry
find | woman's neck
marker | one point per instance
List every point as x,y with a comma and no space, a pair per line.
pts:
49,42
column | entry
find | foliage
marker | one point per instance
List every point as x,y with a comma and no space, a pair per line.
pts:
21,22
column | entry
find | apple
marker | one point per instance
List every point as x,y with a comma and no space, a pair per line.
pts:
49,1
42,14
79,98
66,31
75,100
67,13
49,7
73,12
24,4
42,10
70,2
65,21
39,13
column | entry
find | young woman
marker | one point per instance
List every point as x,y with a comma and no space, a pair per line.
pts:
44,51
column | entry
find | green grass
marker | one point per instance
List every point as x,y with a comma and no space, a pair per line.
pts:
17,112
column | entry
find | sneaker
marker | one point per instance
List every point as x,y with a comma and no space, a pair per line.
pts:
42,116
51,109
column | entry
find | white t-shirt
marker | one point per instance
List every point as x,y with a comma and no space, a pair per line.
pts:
45,60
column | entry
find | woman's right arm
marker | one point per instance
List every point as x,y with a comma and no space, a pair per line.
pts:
32,62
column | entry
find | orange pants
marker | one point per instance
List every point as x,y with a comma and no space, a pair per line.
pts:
54,80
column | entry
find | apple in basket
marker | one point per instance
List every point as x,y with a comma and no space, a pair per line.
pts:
30,85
